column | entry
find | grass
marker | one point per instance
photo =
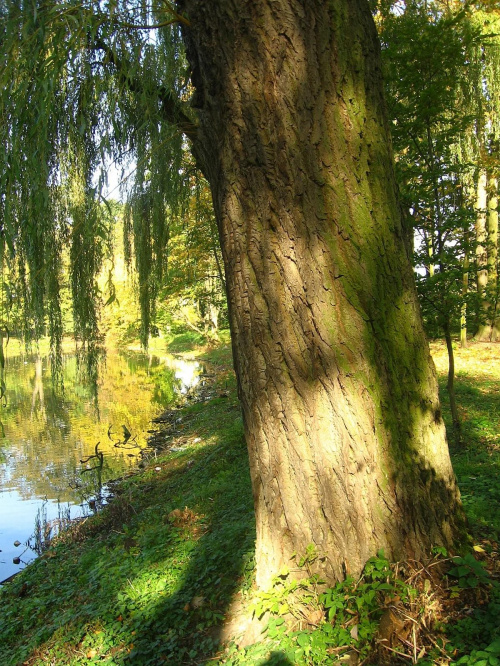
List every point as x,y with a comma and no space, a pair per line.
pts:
477,461
16,347
153,577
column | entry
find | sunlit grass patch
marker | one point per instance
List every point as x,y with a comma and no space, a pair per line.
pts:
479,360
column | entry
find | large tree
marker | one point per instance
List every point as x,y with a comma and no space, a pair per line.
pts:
346,442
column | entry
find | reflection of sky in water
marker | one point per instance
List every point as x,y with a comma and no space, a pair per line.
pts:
187,372
17,521
47,435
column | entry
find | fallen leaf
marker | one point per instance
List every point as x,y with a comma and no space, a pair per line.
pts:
315,617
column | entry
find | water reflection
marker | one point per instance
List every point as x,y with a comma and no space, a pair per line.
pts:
46,435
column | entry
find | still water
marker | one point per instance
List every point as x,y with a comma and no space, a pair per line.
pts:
47,438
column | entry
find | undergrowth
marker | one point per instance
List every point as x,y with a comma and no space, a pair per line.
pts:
392,614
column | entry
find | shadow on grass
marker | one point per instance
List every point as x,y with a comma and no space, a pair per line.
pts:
148,581
479,405
277,659
477,461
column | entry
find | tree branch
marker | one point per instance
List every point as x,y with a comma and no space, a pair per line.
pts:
171,108
178,17
133,26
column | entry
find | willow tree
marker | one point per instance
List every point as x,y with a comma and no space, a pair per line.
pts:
285,117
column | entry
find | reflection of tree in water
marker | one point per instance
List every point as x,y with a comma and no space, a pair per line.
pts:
47,432
38,390
163,378
38,422
165,384
96,499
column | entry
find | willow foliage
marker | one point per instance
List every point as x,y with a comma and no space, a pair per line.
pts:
83,84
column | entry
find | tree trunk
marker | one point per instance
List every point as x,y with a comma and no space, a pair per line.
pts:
346,442
38,392
455,418
429,267
465,291
483,331
493,318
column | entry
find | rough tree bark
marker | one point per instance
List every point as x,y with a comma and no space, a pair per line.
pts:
346,442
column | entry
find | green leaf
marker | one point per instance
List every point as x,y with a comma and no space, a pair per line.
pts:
303,639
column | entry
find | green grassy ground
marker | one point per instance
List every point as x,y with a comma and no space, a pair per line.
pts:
477,460
151,579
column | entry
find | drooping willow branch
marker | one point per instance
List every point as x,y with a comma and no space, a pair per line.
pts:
156,26
171,108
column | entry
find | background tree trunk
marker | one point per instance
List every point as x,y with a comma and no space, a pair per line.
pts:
493,259
346,442
465,291
483,332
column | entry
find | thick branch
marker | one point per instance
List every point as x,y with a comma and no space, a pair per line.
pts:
156,26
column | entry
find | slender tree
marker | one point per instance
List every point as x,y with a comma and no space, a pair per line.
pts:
484,96
481,209
287,122
494,334
425,63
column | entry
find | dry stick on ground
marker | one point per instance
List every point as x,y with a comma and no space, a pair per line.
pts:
424,568
401,654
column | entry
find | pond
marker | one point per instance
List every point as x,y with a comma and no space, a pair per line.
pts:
49,470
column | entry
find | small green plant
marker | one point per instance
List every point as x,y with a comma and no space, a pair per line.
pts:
310,556
311,624
490,656
439,551
468,571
